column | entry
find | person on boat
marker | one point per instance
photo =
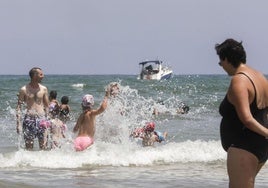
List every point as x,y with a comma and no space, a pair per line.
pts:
85,125
148,134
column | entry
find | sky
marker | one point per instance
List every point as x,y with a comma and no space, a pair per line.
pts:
113,36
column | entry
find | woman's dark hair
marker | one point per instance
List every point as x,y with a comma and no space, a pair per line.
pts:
233,51
64,100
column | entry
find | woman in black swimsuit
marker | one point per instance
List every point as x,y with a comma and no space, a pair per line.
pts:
244,122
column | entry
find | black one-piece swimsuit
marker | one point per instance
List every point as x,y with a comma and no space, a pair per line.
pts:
234,133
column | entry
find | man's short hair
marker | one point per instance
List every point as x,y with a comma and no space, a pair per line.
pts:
33,71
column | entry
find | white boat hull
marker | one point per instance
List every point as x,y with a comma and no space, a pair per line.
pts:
160,76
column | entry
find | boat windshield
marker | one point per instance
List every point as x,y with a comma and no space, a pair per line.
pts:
151,66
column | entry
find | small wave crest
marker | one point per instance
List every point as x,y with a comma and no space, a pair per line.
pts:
79,85
103,154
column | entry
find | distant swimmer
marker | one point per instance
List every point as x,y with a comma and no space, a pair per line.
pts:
182,109
85,125
148,134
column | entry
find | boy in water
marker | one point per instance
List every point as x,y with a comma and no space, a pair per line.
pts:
85,125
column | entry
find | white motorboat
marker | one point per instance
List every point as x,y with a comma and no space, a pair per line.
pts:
154,70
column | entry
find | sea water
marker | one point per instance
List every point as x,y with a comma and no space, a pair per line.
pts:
191,156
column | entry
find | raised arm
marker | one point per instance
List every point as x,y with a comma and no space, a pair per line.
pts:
102,107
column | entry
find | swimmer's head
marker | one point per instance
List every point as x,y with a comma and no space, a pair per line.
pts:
65,100
186,109
87,101
113,89
150,126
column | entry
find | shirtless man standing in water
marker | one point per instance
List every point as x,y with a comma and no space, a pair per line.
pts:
35,97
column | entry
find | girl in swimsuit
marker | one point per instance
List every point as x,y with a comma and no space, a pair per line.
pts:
85,125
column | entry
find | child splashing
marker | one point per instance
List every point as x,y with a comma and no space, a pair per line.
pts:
54,128
148,134
126,110
85,125
113,117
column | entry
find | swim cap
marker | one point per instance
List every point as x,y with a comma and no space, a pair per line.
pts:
88,101
150,126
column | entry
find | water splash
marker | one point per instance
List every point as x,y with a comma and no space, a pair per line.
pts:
113,146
